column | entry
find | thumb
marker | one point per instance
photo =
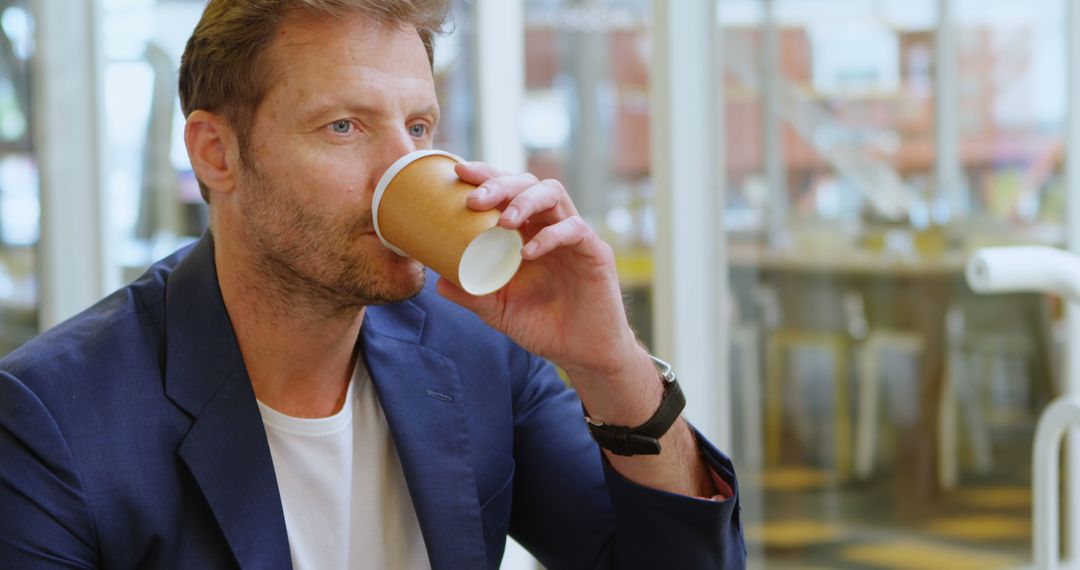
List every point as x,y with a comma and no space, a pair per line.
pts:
484,306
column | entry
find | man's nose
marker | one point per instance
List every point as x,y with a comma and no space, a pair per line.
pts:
393,147
399,143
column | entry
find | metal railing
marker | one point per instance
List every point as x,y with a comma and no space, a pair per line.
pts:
1048,270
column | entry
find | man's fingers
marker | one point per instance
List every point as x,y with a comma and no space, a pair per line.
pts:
477,172
536,199
499,190
572,231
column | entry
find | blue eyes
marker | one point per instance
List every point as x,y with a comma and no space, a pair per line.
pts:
341,127
345,127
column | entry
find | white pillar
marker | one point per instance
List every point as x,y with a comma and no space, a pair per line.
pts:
1071,519
772,126
67,131
500,71
500,90
721,319
688,291
948,171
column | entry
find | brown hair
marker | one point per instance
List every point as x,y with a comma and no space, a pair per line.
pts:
223,69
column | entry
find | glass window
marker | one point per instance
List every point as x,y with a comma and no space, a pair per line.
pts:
20,216
154,201
586,122
881,405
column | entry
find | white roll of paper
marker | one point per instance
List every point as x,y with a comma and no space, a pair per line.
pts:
1025,269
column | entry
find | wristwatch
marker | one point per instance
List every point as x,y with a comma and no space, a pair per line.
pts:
645,438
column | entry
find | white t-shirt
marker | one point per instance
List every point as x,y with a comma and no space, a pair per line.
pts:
342,487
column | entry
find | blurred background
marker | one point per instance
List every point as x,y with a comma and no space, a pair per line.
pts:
791,187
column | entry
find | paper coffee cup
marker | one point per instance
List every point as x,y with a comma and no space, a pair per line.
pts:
420,211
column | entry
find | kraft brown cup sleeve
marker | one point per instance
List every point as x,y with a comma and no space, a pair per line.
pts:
422,211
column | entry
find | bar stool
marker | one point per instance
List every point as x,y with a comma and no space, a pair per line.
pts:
838,344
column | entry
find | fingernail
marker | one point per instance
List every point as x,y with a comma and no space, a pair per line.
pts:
530,249
511,214
481,192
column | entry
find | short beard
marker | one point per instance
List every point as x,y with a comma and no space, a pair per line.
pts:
308,258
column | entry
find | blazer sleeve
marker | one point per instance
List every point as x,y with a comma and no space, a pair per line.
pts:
572,510
45,521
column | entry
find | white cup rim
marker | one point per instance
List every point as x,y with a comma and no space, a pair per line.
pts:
490,261
389,175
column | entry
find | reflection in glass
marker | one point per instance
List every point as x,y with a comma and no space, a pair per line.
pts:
882,403
20,219
586,122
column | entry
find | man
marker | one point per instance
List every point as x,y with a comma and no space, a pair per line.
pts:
288,392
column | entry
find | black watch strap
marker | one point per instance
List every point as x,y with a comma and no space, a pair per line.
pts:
645,438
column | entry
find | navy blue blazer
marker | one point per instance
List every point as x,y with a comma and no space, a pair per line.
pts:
130,438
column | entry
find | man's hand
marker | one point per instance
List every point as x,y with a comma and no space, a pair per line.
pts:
565,304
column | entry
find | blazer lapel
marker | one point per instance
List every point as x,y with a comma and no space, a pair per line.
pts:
420,394
226,450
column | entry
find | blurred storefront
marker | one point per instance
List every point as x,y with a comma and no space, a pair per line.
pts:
879,407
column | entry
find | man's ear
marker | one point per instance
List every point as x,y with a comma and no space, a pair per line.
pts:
209,141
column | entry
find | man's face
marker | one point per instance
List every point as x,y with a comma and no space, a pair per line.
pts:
347,98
